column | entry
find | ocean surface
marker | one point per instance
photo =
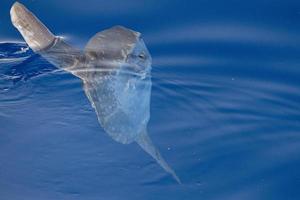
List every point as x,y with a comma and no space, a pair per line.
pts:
225,104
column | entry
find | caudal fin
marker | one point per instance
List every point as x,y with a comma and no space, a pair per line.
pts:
145,142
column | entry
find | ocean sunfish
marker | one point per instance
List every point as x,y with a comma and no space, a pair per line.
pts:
115,68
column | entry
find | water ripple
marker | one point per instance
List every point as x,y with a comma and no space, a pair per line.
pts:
228,33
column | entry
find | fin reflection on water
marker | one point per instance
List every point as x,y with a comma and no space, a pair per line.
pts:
115,69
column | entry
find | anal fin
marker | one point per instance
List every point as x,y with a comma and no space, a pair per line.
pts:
145,142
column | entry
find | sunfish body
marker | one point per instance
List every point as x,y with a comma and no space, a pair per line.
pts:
115,69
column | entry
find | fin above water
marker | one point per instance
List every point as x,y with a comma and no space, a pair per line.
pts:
145,142
42,41
35,33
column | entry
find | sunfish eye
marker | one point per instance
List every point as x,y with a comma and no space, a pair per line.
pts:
142,56
92,55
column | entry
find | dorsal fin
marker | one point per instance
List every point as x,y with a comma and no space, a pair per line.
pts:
35,33
42,41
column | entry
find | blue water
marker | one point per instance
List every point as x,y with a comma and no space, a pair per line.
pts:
225,105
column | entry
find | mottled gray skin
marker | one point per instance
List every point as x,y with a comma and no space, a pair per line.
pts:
119,87
115,69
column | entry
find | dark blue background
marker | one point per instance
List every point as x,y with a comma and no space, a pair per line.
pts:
225,109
